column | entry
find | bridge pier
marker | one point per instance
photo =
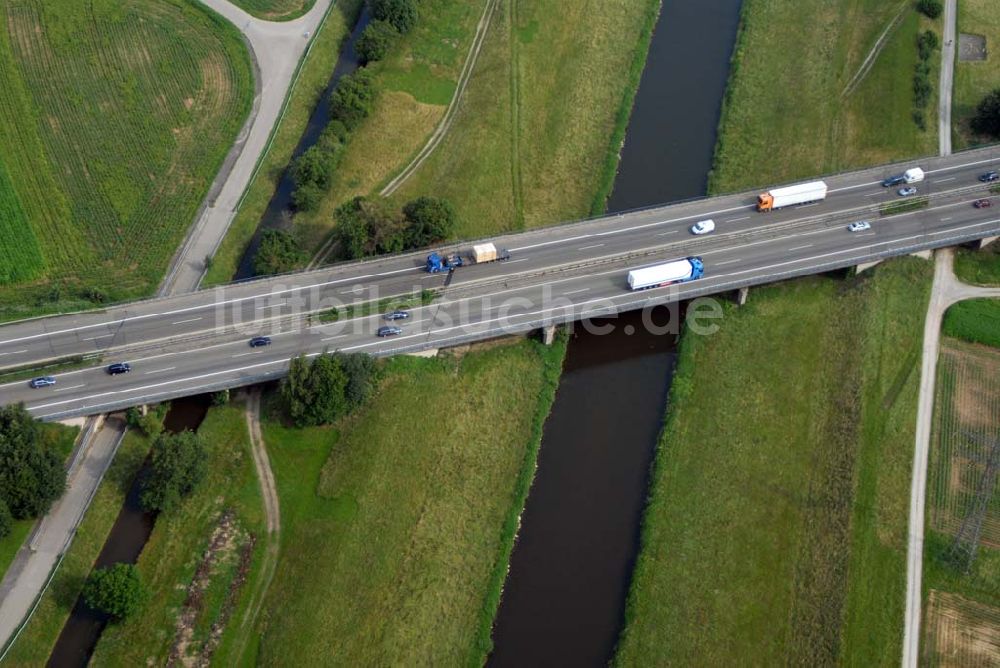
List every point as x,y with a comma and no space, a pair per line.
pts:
430,352
549,334
983,243
865,266
740,296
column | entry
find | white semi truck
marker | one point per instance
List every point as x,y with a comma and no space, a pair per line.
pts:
802,193
659,275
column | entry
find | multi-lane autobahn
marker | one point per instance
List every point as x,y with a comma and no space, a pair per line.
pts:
198,342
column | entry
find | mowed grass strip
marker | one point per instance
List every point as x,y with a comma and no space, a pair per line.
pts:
114,120
396,523
980,267
974,79
784,115
776,529
177,547
975,320
276,10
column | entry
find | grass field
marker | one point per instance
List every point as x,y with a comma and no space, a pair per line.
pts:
412,505
974,79
35,644
114,119
980,267
314,75
975,320
785,115
223,519
276,10
62,439
776,530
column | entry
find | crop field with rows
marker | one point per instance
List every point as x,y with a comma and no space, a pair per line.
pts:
114,120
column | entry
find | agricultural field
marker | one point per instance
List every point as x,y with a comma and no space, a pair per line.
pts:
817,48
276,10
962,603
776,527
981,267
201,561
413,504
974,79
114,120
975,320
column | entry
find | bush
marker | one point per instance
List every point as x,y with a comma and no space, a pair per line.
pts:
6,520
31,475
220,398
117,590
920,119
334,132
353,98
95,295
376,41
367,227
315,392
402,14
927,43
314,166
151,424
930,8
361,378
922,90
278,252
987,118
306,197
429,220
178,462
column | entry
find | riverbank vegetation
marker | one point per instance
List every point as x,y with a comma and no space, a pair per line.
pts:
412,502
974,79
776,529
802,100
35,643
114,121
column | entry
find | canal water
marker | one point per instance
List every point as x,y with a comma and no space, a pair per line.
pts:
124,544
279,210
564,599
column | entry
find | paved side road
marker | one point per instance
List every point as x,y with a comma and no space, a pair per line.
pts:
948,49
947,290
29,573
277,49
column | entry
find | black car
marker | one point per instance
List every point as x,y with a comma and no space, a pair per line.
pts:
259,341
119,367
389,330
989,177
398,314
893,181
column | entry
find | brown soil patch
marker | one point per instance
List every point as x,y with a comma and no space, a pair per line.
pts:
960,632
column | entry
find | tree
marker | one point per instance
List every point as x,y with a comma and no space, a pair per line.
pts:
306,196
987,118
31,475
376,41
6,520
353,98
367,227
314,166
402,14
429,220
314,392
116,590
930,8
278,252
177,465
361,376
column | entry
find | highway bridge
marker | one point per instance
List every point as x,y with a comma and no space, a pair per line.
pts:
198,342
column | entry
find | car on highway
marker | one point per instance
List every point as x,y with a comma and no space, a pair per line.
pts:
119,368
989,177
907,191
859,226
42,381
260,341
398,314
893,181
703,227
982,204
389,330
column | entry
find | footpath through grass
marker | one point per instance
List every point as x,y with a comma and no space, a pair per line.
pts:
199,562
35,643
114,120
785,116
776,530
397,524
975,78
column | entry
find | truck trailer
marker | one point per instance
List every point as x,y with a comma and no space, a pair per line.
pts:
660,275
803,193
480,254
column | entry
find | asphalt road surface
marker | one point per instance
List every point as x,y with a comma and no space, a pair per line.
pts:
199,342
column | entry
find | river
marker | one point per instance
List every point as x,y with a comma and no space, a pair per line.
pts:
564,598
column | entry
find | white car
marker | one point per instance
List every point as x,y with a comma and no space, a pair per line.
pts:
859,226
703,227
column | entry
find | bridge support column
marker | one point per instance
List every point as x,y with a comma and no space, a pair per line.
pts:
549,335
741,295
925,254
430,352
143,409
984,242
865,266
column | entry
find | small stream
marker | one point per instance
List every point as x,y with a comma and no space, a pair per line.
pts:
279,210
564,599
124,544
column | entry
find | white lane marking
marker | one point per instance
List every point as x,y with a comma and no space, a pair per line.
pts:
184,322
269,306
719,264
950,178
94,338
14,352
71,387
549,243
799,248
242,354
806,206
663,234
331,338
864,234
400,271
944,220
573,292
169,368
589,247
733,220
523,259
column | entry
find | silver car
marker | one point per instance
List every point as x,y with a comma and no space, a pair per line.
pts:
859,226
